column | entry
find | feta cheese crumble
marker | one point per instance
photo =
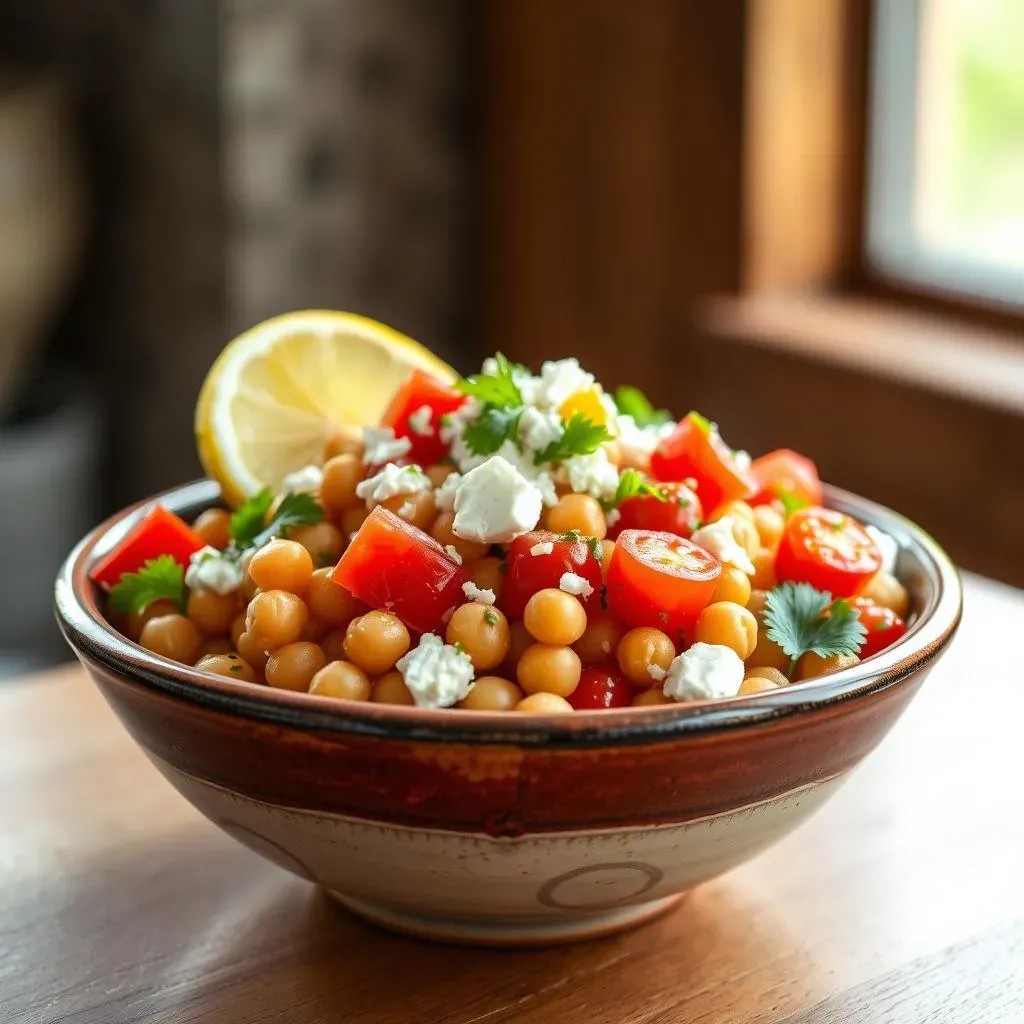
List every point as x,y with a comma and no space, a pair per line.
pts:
718,538
538,429
392,480
453,553
478,594
444,496
742,460
419,421
656,672
495,503
887,546
575,585
382,446
309,478
544,547
637,444
592,474
437,674
210,569
704,671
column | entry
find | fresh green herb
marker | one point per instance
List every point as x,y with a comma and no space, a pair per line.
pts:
791,502
295,510
595,548
492,428
458,646
702,423
633,485
683,502
631,401
580,436
159,579
800,618
250,518
498,389
572,536
490,617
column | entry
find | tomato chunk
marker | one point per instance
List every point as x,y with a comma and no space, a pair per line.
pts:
694,450
827,549
884,626
159,532
394,566
527,572
601,686
421,392
660,580
786,472
680,513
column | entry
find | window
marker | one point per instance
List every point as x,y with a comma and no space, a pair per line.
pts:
946,178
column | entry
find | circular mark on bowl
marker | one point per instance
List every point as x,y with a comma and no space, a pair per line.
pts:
266,848
599,886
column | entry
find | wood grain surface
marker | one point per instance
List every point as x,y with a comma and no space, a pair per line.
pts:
901,901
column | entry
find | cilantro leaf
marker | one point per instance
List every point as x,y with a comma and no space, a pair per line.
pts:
489,431
300,509
633,485
800,618
631,401
250,518
498,389
595,548
159,579
791,502
580,436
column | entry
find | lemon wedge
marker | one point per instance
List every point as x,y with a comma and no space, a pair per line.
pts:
280,390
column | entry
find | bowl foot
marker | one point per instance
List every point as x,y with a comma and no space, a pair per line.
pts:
508,931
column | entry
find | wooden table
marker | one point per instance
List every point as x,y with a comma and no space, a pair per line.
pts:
902,901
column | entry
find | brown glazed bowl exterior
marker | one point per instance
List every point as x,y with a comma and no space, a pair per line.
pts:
505,828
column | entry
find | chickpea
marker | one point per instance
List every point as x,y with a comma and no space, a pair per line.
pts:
884,589
237,628
764,577
728,625
639,649
543,703
282,565
812,665
341,679
441,531
254,651
391,689
773,675
293,666
554,617
487,574
757,684
172,636
214,526
322,540
519,640
212,613
276,618
418,509
545,668
736,509
647,698
767,654
134,624
757,603
375,641
338,487
329,601
579,512
492,693
733,585
600,638
770,526
216,645
607,547
352,519
439,473
483,632
231,666
346,441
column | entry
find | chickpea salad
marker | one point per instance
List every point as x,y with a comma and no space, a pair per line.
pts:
513,541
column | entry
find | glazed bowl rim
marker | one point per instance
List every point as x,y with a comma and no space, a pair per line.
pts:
82,622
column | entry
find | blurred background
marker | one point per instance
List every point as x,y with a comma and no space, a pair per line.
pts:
803,217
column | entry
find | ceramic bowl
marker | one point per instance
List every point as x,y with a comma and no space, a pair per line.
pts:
501,828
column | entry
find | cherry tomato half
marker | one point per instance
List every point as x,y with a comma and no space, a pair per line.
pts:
827,549
601,686
527,572
421,391
680,513
785,471
884,626
659,579
390,564
158,532
695,450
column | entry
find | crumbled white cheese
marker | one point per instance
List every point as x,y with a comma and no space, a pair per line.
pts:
741,459
704,671
419,421
636,444
437,674
575,585
406,510
210,569
559,379
478,594
495,503
444,496
718,538
887,546
544,547
656,672
538,429
391,481
382,446
612,516
592,474
309,478
453,553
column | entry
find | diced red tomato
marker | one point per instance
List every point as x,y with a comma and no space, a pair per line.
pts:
159,532
527,573
827,549
693,451
601,686
680,513
392,565
884,626
785,471
419,391
660,580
